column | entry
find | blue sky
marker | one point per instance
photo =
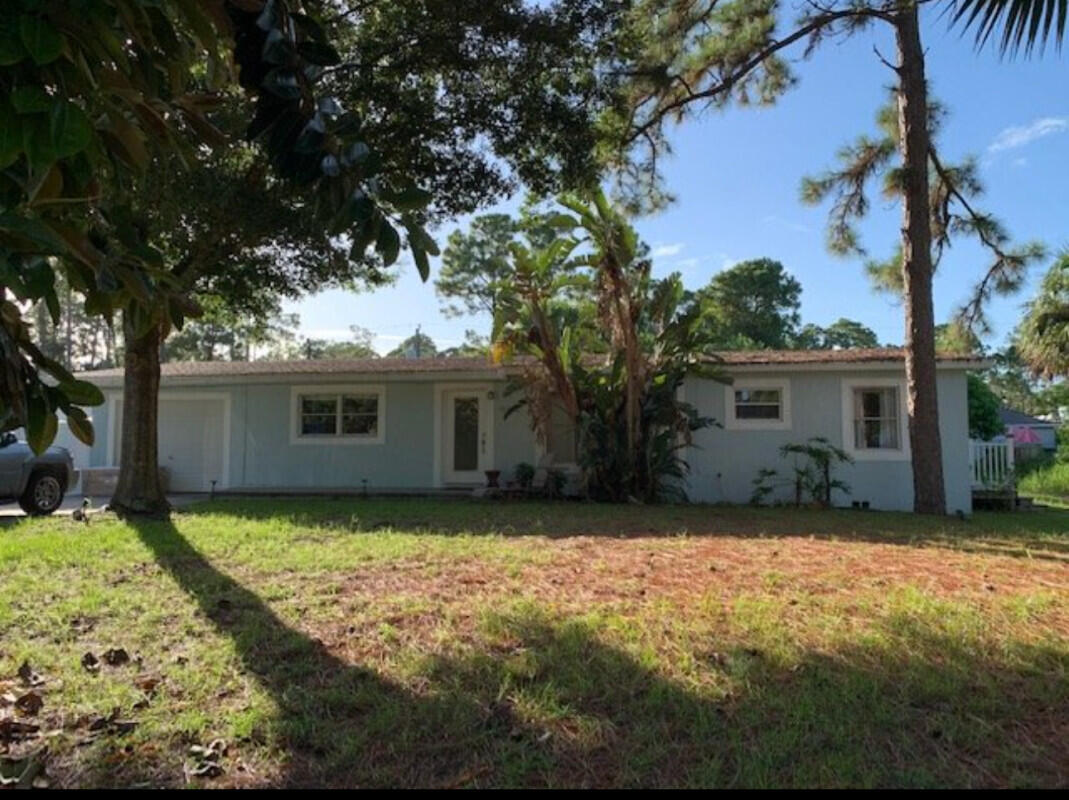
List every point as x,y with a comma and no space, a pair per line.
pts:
736,178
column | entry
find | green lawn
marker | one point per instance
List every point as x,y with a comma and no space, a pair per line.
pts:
419,643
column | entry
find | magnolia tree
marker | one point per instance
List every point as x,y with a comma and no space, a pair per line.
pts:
142,84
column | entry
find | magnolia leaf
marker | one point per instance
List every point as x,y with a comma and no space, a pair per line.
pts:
130,145
46,186
41,425
80,426
367,233
308,27
318,53
410,199
30,100
42,41
283,83
70,130
82,393
31,230
11,49
388,244
419,255
10,137
418,237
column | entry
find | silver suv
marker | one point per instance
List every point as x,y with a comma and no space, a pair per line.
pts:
38,483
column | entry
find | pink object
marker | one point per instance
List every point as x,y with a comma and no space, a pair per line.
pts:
1022,434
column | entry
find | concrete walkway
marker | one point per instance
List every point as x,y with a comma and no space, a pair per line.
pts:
73,501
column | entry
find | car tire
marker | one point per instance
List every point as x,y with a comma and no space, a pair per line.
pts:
43,495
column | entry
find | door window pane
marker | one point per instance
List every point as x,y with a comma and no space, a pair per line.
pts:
466,434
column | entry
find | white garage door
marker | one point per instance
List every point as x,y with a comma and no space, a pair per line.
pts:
192,437
191,442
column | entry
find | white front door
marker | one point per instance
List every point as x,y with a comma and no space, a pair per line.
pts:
466,445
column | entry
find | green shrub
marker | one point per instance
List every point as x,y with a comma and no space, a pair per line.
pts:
524,475
1051,479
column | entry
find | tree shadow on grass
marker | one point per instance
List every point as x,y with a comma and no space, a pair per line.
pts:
542,700
1033,535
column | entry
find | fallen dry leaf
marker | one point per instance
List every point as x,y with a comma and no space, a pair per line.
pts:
29,704
116,657
28,676
14,731
206,760
147,683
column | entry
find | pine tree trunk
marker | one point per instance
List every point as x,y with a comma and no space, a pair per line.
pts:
139,492
929,494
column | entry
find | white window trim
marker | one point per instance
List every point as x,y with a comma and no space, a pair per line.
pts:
733,423
296,392
900,453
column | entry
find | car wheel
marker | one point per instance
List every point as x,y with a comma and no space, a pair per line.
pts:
43,494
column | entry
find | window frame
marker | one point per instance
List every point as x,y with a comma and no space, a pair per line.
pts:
338,392
734,422
851,386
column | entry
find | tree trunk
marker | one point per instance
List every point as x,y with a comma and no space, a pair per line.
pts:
929,494
139,492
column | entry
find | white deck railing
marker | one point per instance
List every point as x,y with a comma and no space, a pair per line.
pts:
991,464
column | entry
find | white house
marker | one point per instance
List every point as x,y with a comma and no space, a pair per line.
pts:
404,425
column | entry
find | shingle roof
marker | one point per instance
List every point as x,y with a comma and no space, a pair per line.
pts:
338,366
1011,416
222,369
851,356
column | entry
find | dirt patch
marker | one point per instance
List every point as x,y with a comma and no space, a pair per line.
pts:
628,573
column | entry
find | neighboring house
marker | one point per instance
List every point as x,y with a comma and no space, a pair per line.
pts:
1028,429
417,424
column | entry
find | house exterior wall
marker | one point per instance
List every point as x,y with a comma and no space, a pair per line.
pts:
1048,436
263,456
725,461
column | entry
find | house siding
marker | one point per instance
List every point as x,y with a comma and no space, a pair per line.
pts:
725,462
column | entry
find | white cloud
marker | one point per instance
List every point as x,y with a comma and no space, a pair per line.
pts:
687,263
662,250
1020,162
726,261
1020,135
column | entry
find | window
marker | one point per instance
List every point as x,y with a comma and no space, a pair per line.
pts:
876,418
349,415
319,415
360,415
758,404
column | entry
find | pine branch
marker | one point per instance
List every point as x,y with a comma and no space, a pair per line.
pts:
727,83
1006,272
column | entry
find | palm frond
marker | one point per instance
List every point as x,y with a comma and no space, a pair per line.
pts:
1017,25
